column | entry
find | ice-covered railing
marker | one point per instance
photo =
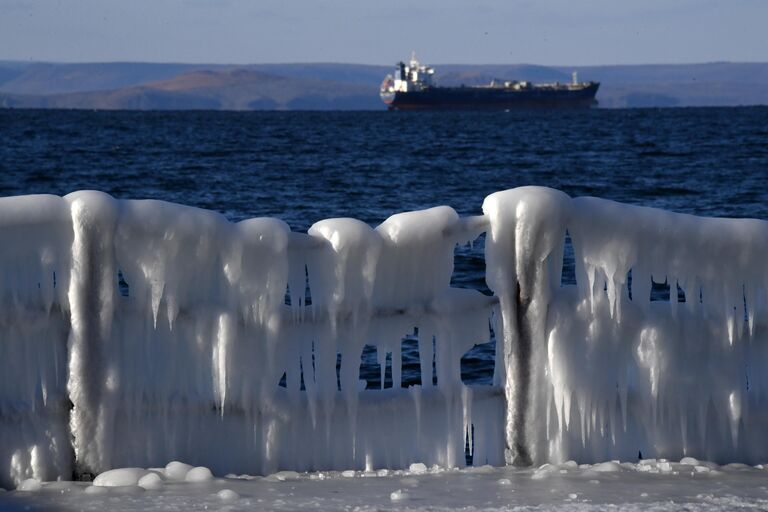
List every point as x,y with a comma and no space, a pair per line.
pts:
599,371
136,332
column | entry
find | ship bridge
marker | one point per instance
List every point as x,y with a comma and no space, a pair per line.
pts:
412,76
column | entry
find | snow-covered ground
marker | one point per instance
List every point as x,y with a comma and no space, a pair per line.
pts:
648,485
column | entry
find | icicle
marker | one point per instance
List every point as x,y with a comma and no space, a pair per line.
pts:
734,412
224,338
157,294
466,407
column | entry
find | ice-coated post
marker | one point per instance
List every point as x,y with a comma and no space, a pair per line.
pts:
91,298
524,251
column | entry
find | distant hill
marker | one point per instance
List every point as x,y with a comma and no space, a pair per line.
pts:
44,79
220,89
713,84
324,86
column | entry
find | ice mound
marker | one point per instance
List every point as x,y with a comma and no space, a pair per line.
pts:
227,495
417,468
199,474
120,477
150,482
177,471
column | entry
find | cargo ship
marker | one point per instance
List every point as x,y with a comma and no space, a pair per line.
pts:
412,87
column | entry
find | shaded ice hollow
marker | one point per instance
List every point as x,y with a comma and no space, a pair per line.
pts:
137,332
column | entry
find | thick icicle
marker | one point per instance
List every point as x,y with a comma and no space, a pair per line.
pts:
527,226
91,298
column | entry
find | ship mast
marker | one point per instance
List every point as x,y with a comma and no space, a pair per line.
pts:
414,61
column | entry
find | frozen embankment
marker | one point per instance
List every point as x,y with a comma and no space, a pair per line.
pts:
137,332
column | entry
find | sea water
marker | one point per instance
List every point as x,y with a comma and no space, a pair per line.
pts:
307,166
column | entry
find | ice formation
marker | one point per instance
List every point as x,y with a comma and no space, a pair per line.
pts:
599,371
136,332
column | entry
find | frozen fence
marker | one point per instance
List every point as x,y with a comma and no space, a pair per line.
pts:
135,332
598,371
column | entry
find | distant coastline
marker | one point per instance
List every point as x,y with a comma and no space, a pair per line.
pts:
152,86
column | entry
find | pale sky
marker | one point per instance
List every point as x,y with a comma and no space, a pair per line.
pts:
548,32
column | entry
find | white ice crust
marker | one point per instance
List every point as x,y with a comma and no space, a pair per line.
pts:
136,332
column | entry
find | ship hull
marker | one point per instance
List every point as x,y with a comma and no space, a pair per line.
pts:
488,98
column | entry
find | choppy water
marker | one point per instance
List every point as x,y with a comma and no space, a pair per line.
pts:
307,166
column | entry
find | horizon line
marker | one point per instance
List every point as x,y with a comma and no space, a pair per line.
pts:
338,63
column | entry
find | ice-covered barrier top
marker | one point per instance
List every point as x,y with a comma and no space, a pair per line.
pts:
716,261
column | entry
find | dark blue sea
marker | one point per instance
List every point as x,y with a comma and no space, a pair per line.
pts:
307,166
